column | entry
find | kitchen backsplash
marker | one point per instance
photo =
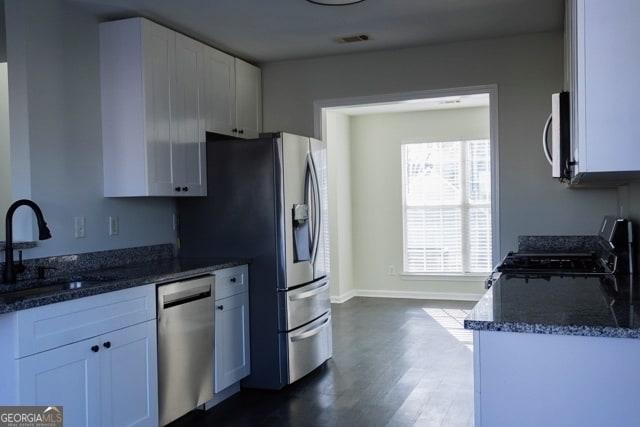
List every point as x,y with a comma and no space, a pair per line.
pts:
76,263
558,243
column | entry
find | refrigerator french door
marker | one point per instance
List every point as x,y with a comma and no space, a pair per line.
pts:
267,202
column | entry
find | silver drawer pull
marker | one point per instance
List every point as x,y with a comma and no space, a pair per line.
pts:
307,294
312,332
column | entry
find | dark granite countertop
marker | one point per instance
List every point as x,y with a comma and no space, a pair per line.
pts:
20,296
18,245
561,305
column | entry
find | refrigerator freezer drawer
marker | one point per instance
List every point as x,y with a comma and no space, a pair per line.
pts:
309,347
307,302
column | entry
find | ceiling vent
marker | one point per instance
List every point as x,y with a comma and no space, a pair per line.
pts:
352,39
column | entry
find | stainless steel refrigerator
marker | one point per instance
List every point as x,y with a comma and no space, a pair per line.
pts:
268,202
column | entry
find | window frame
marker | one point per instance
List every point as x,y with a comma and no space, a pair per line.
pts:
463,205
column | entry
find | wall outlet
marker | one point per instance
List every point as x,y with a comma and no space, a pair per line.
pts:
80,227
114,226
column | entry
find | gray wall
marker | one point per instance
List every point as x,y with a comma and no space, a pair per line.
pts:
5,154
526,69
56,141
376,181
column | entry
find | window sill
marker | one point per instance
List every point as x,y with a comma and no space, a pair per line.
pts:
470,277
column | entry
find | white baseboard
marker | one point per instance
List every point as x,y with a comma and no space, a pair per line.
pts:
343,298
455,296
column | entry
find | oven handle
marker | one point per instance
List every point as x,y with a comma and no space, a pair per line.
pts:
493,277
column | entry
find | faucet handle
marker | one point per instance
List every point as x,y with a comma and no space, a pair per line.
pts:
40,270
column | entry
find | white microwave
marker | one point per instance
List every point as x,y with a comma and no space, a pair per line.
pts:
558,120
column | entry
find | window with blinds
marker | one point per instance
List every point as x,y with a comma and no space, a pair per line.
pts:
447,207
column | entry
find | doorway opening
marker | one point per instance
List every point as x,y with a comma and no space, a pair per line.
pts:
373,252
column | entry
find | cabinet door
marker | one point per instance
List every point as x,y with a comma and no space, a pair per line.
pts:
188,137
607,85
128,373
248,99
67,376
158,50
232,360
219,92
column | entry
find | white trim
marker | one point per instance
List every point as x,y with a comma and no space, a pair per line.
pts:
371,293
320,105
495,172
444,277
462,204
343,298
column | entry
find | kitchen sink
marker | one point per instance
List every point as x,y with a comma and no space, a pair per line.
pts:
53,286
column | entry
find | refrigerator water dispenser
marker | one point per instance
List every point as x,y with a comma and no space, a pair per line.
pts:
302,251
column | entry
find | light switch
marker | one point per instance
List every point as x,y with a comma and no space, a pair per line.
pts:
79,227
114,226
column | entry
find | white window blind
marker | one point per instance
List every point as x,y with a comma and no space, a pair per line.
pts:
447,207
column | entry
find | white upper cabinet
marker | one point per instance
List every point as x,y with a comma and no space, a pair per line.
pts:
220,92
603,68
248,99
233,95
152,118
188,121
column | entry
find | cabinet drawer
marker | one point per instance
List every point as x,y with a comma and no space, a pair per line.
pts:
43,328
232,281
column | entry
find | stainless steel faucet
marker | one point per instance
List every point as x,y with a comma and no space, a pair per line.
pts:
9,274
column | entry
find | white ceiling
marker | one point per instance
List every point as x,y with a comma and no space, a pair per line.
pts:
272,30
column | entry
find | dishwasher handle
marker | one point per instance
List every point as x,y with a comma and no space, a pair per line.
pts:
184,297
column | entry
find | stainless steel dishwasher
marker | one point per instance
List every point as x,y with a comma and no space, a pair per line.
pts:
185,346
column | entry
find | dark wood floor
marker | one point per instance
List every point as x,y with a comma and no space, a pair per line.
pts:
396,362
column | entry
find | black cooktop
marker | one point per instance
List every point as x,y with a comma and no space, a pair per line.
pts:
564,263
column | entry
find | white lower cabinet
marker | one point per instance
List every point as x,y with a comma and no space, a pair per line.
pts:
534,380
106,380
232,341
67,377
232,352
95,356
128,376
